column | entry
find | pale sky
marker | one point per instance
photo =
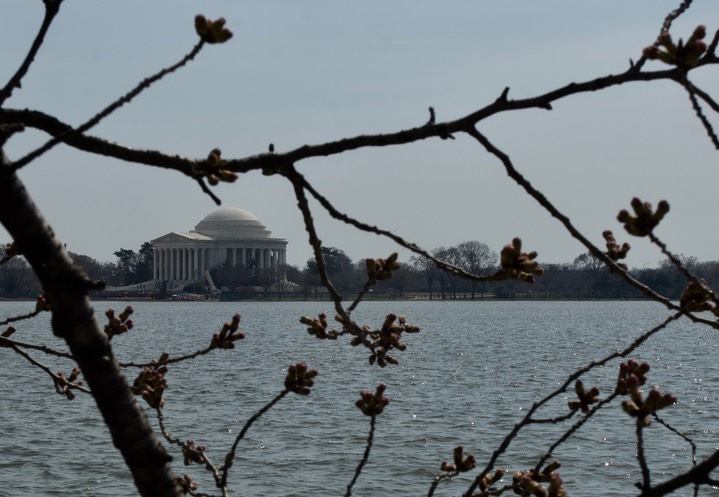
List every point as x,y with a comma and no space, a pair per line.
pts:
300,73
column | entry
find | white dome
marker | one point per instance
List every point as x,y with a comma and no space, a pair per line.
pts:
232,222
230,214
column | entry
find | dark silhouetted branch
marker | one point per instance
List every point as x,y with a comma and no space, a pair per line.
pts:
51,9
127,98
65,288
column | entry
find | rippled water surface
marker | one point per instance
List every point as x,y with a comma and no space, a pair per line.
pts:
466,378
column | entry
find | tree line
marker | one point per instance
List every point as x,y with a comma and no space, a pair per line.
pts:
586,277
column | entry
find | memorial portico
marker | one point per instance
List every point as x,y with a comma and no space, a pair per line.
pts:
227,235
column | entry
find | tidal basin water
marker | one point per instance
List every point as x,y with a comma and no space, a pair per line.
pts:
466,378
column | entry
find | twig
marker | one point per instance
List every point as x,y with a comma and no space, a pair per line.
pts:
700,113
573,429
443,265
51,9
562,388
544,202
646,475
365,457
231,454
207,190
170,360
185,447
284,162
41,348
58,380
704,96
127,98
315,242
29,315
666,25
679,265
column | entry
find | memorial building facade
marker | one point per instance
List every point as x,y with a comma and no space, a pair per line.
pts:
228,235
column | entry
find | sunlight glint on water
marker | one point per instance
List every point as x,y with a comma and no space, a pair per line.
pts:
466,378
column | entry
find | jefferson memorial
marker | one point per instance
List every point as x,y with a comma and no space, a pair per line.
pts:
227,235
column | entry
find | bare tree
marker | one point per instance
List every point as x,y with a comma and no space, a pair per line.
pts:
588,262
477,258
427,268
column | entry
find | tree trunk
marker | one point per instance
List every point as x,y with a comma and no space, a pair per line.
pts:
65,287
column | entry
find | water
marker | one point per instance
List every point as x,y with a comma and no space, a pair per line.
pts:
466,378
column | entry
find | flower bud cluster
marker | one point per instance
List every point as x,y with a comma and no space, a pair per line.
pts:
463,464
387,338
526,483
117,325
217,171
42,304
585,398
517,264
488,481
62,384
318,327
228,335
372,404
186,484
679,54
212,31
645,218
151,382
299,379
193,453
11,250
614,251
631,376
695,298
381,269
641,408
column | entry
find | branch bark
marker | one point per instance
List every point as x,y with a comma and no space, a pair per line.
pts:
65,287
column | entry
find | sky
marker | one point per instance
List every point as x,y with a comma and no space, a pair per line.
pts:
299,73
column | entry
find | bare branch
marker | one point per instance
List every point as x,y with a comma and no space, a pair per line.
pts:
443,265
562,388
231,454
700,114
646,475
274,163
51,9
40,348
704,96
365,456
315,242
29,315
680,266
127,98
66,289
62,386
544,202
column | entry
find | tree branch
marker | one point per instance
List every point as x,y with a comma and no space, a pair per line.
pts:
51,9
72,319
127,98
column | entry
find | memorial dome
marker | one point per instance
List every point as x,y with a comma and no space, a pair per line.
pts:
230,214
231,222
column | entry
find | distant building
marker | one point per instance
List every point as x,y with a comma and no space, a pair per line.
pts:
227,235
